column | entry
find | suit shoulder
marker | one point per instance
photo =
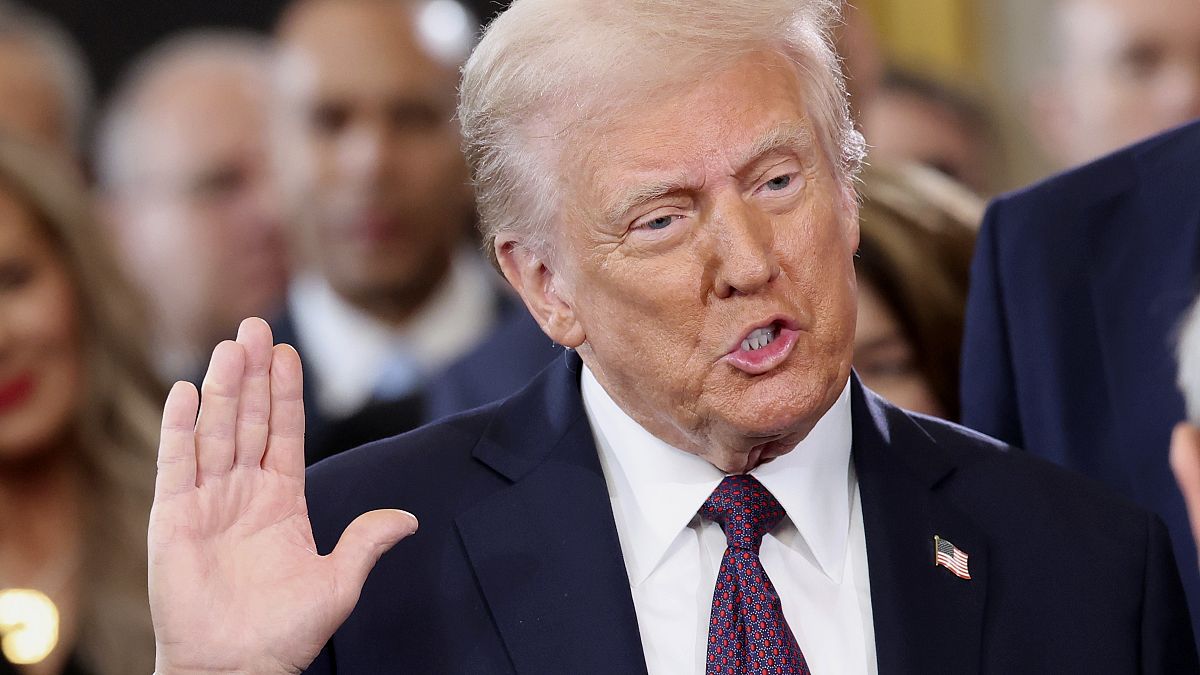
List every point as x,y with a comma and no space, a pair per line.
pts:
992,472
1066,195
432,450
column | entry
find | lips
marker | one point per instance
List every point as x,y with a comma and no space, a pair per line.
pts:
764,346
15,391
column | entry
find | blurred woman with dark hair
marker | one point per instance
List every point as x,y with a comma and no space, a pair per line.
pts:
917,235
78,426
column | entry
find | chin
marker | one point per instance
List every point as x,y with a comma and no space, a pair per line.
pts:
785,405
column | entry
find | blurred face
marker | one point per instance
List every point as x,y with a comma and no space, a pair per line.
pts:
901,127
198,222
40,364
33,106
884,358
1131,68
369,158
706,266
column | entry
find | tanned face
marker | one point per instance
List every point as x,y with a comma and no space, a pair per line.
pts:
704,265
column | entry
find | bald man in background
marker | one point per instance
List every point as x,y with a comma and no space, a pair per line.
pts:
45,86
1122,70
399,321
184,180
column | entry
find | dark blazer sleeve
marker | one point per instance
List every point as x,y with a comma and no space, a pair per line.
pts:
989,401
1168,645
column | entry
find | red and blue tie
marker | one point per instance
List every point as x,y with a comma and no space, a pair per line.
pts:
747,632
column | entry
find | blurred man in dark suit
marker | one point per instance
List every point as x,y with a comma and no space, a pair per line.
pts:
1078,286
379,207
184,182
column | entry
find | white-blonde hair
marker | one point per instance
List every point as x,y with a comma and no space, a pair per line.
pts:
1188,377
546,66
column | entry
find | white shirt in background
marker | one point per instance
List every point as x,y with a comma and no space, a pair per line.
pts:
346,349
816,557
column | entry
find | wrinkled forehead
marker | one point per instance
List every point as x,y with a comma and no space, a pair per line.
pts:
685,132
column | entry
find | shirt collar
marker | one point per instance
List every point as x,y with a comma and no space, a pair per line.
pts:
657,489
347,348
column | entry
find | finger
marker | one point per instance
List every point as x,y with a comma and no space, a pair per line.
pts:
254,398
285,440
216,425
366,539
177,442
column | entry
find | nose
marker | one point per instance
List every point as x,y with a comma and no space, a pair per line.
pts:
745,251
364,152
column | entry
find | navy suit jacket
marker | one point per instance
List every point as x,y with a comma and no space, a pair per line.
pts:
1077,288
513,352
517,566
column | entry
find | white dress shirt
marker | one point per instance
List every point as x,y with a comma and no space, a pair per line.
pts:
347,349
816,557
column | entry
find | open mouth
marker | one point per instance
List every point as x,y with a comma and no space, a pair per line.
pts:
761,337
764,348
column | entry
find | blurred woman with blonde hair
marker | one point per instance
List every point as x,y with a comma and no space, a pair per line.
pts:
78,425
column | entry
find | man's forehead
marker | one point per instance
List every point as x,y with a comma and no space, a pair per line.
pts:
1095,25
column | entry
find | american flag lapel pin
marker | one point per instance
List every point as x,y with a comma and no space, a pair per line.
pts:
951,557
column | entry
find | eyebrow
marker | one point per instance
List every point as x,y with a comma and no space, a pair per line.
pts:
787,135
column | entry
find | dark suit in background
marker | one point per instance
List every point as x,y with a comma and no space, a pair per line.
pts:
514,351
517,566
1077,287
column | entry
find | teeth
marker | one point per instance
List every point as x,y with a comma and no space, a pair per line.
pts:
760,338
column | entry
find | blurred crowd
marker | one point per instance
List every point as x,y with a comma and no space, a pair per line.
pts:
313,177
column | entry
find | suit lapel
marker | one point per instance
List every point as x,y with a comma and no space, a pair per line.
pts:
926,618
545,550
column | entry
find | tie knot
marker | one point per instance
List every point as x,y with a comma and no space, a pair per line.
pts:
744,509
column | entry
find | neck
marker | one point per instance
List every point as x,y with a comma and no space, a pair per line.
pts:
396,306
40,500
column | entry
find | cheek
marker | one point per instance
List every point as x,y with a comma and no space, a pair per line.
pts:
51,341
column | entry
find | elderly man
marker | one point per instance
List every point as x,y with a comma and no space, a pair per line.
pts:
184,181
45,88
702,484
378,205
1121,70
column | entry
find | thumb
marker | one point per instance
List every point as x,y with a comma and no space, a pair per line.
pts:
366,539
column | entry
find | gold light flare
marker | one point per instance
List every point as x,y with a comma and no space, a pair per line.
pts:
28,625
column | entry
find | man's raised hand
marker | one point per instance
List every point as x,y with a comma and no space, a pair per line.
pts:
236,584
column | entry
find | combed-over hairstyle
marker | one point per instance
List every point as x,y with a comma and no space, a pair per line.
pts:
545,67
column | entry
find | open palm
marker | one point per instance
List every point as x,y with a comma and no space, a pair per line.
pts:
236,583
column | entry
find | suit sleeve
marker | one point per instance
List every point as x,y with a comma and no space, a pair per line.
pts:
989,402
1168,645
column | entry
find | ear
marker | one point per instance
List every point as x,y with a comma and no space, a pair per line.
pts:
534,280
850,208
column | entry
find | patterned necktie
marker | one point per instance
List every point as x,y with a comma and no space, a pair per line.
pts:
747,632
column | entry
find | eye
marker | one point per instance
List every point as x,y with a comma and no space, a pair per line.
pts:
330,118
15,274
659,223
778,183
